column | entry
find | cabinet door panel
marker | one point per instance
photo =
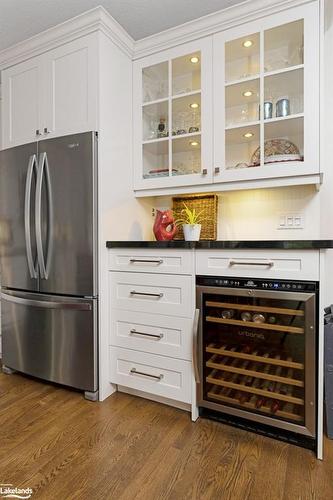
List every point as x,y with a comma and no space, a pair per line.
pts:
21,102
70,93
172,99
266,98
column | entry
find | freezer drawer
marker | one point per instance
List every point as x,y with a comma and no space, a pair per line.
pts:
51,337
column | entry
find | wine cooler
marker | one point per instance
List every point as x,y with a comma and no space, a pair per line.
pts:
256,357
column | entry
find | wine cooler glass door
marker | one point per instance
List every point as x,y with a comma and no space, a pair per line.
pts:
257,355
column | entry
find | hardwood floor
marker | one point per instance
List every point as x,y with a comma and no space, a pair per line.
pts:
64,447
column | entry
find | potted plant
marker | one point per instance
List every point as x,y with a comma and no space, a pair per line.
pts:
191,221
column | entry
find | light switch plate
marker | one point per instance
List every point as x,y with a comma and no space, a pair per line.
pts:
292,220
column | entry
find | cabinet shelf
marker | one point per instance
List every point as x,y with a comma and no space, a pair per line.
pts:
284,118
156,101
153,141
242,80
242,125
283,70
186,94
184,136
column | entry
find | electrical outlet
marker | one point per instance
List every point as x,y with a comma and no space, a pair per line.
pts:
290,221
153,212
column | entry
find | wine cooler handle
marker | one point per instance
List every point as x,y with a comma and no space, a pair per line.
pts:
195,346
267,263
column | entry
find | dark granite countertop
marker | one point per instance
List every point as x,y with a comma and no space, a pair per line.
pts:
227,245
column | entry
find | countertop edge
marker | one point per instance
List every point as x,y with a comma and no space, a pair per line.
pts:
226,245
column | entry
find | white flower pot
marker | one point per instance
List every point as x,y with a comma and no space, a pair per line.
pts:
192,232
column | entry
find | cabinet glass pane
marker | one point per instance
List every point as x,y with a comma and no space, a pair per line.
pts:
241,144
155,82
186,155
284,141
242,57
186,73
284,93
186,114
155,158
155,121
284,46
242,102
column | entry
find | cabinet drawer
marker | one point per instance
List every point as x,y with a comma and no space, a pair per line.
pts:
164,335
157,294
167,377
282,264
152,261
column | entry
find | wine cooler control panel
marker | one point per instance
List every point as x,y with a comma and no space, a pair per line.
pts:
259,284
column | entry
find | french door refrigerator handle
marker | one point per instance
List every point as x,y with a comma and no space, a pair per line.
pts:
43,165
195,346
45,304
32,166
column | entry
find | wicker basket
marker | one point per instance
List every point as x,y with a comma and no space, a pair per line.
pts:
207,203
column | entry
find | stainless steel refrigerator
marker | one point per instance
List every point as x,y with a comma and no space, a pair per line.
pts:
48,254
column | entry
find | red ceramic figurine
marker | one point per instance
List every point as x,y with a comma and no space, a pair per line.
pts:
164,225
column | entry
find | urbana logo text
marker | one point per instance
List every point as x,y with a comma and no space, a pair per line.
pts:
8,491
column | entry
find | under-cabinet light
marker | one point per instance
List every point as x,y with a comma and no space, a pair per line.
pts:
194,105
194,60
247,93
248,135
194,143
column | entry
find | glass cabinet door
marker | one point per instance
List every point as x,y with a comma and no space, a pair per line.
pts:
266,89
169,130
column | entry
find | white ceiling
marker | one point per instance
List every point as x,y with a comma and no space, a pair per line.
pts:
21,19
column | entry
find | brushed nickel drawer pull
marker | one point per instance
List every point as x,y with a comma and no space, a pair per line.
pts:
134,371
158,295
267,263
133,331
149,261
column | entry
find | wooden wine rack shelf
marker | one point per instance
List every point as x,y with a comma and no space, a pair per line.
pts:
225,351
262,309
212,379
288,413
252,324
252,373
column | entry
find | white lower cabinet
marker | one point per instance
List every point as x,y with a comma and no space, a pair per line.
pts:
157,334
151,299
145,292
159,375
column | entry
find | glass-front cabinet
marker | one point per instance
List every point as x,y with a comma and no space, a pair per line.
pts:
238,106
173,117
266,98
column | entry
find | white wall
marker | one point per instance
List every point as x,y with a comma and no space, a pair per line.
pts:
254,214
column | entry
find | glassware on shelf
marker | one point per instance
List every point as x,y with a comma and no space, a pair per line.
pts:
162,129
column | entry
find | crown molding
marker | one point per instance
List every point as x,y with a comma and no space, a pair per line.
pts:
247,11
97,19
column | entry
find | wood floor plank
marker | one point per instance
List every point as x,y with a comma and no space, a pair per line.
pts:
127,448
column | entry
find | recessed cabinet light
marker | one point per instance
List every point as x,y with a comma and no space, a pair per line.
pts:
194,60
247,93
194,143
247,44
248,135
194,105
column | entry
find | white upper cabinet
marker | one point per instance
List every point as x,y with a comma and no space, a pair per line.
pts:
248,111
21,103
173,117
266,98
70,104
52,94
